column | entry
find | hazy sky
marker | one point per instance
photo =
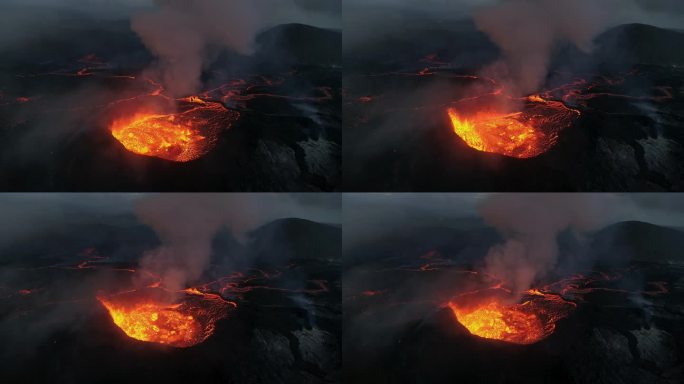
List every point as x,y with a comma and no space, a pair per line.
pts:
363,215
119,7
664,13
21,20
657,208
666,5
24,213
367,215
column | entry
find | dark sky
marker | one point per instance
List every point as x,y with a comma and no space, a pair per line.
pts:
22,20
24,213
367,215
668,5
666,13
658,208
121,6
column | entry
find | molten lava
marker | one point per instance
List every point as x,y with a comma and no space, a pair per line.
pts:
156,323
523,134
503,134
180,137
182,324
523,323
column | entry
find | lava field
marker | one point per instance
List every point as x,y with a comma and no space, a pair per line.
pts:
417,309
80,111
75,307
418,108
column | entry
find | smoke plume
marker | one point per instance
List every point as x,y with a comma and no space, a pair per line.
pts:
187,223
181,33
530,223
526,31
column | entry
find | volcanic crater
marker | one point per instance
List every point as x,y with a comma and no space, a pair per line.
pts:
420,104
420,310
77,114
76,306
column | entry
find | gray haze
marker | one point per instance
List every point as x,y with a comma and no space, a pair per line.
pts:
27,213
185,223
663,10
179,33
529,223
368,215
524,30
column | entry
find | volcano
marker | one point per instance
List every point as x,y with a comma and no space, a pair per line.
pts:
76,114
75,305
420,104
418,308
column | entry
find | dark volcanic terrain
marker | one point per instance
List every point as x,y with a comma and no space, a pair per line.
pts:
285,327
629,91
627,326
61,88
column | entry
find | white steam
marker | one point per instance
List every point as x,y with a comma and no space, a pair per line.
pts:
187,223
181,32
530,223
526,31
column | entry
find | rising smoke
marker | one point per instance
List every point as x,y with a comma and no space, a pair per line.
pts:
526,31
531,223
187,223
528,223
182,33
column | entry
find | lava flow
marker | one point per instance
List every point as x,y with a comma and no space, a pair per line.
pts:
524,134
180,324
180,137
527,322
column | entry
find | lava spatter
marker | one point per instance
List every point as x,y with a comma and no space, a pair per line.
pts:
180,137
181,324
523,134
527,322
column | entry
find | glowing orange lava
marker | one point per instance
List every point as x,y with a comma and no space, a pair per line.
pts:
523,134
180,137
182,324
503,134
523,323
